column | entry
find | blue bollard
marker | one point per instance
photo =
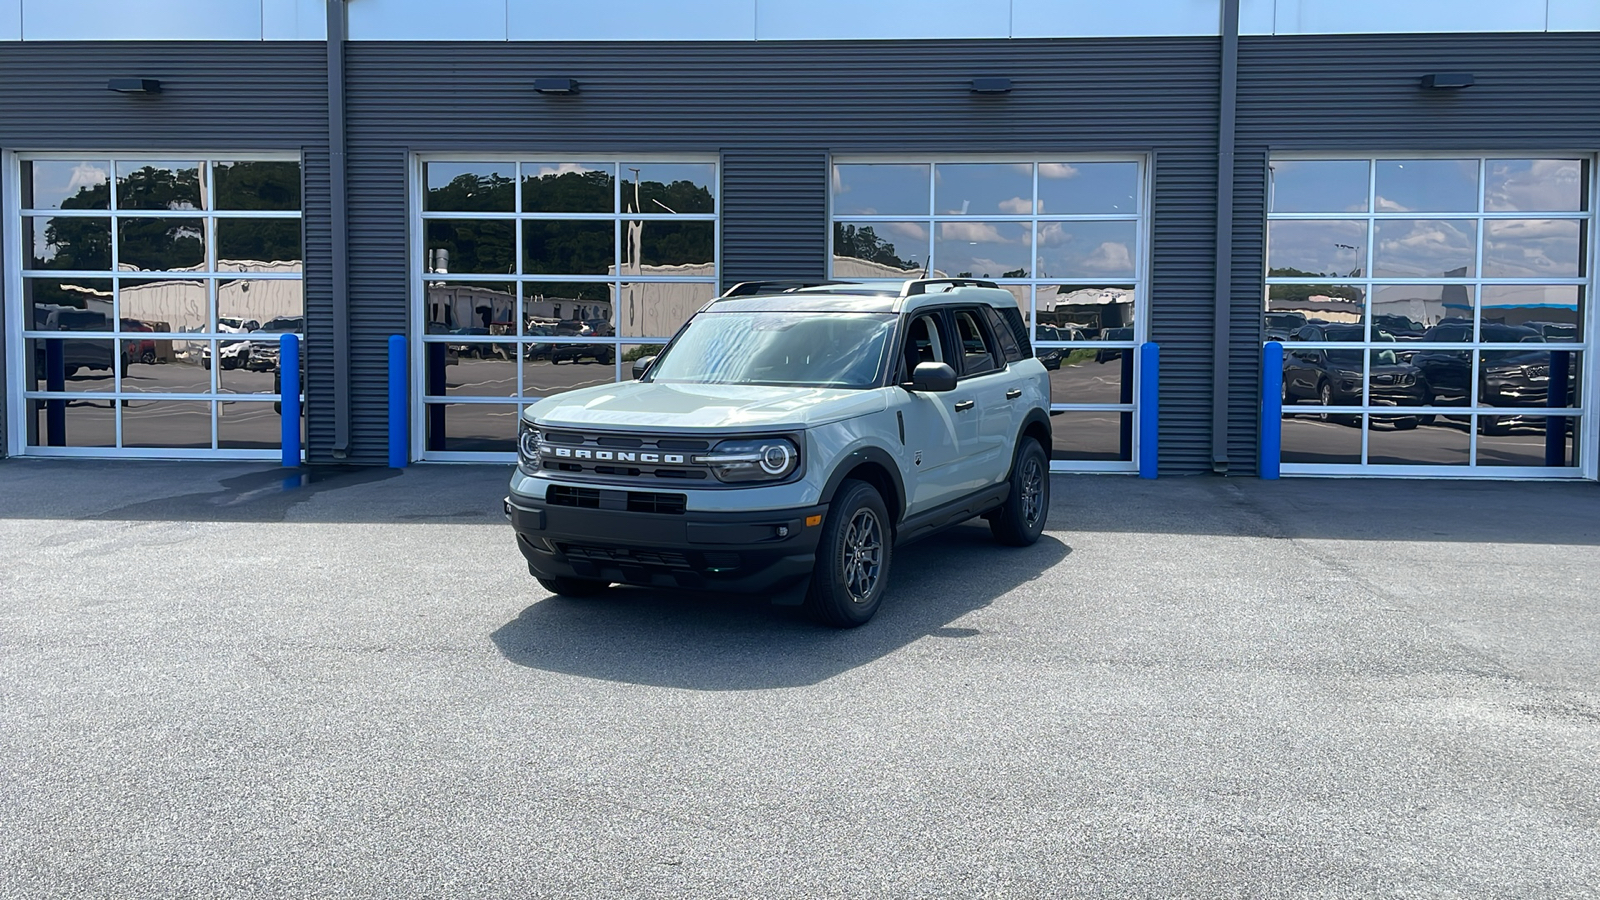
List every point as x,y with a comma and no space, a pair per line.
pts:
289,397
1149,407
399,411
1271,410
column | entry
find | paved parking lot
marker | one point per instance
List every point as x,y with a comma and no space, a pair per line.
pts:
215,682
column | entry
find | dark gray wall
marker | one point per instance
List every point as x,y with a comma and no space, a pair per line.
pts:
216,97
774,111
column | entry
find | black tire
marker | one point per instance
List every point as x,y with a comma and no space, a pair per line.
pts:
1496,426
148,358
853,557
572,587
1021,520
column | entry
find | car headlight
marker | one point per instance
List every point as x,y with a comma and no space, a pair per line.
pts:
528,438
759,459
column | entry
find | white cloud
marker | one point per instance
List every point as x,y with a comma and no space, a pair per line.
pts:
565,169
1057,170
1016,206
86,175
914,230
971,232
1110,256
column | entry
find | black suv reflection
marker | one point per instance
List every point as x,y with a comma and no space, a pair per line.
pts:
1506,378
1332,377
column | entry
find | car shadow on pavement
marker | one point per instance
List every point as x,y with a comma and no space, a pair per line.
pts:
712,642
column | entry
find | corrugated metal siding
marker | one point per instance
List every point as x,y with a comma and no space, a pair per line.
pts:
1245,311
216,97
774,109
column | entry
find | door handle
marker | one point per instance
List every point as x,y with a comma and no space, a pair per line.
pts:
965,405
1014,393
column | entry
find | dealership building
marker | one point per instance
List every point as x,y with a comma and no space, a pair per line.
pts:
533,196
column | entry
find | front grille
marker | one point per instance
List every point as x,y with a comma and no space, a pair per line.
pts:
614,458
630,501
666,558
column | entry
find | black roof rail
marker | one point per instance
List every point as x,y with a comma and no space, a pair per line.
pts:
920,285
751,288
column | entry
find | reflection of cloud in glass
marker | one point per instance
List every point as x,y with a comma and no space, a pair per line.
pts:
1016,206
1110,257
86,175
1531,248
568,169
1057,170
914,230
1423,248
982,232
1534,185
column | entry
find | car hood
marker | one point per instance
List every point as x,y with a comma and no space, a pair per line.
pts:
636,406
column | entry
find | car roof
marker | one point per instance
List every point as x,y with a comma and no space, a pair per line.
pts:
879,297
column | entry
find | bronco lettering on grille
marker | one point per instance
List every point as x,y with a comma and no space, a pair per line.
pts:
665,459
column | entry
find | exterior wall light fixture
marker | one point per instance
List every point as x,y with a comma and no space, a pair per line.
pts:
991,85
134,85
1446,81
555,86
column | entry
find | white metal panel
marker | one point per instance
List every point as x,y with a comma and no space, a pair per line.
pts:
1574,15
823,20
10,20
141,20
1096,18
294,20
1256,16
1410,16
428,20
633,20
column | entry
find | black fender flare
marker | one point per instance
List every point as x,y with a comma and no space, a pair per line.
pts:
1034,417
868,454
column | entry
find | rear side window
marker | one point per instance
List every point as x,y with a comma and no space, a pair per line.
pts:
1003,333
977,352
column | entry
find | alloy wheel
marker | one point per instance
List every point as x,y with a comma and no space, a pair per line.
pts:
862,555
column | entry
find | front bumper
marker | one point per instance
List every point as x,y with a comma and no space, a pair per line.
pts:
733,552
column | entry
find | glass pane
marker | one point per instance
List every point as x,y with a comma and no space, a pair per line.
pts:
1088,250
1401,441
1528,440
659,309
67,304
475,247
1424,248
881,190
1334,248
1393,381
983,249
669,187
476,308
569,248
160,245
159,185
634,352
1320,439
1411,312
258,245
1323,376
879,249
1554,310
470,187
1088,189
482,369
74,364
552,308
72,422
1532,248
182,424
569,187
1446,375
1081,312
471,427
258,185
1290,307
1319,186
557,370
243,425
1534,185
257,371
1530,379
274,305
1089,374
82,244
983,189
669,248
150,372
1427,185
1092,435
64,184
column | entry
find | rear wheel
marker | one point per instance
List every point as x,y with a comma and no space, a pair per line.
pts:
572,587
1021,520
853,554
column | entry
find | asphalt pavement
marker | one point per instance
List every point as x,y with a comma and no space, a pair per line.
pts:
230,680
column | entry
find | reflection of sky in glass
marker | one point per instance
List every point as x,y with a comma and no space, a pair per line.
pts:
441,174
1336,248
1425,248
880,190
55,181
702,175
983,189
1427,185
1534,185
1089,250
1088,189
1319,186
986,249
1531,248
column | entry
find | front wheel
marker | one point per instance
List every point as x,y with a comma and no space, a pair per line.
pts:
853,554
572,587
1021,520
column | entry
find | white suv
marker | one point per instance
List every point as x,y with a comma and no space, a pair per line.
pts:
786,440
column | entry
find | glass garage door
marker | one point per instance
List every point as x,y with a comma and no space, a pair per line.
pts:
1434,313
537,276
1065,235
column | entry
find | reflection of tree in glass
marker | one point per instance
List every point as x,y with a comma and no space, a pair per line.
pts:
159,188
156,245
567,248
1300,291
479,247
260,240
258,185
566,192
678,197
90,196
674,243
864,243
470,192
83,244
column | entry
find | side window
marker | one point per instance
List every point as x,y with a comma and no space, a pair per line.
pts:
977,351
1002,332
922,345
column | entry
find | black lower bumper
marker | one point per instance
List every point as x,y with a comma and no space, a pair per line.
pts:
743,552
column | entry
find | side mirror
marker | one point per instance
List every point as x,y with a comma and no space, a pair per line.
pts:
933,378
641,366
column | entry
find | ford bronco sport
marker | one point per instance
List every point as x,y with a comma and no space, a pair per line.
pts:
786,441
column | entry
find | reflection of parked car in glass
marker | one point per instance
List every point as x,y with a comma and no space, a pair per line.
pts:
139,351
1280,325
542,349
234,354
1448,371
1111,353
1052,356
264,354
1402,328
477,347
601,353
79,353
1332,376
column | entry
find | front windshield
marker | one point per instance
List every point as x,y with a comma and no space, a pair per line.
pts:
801,349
